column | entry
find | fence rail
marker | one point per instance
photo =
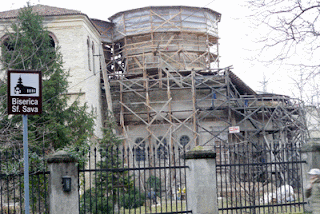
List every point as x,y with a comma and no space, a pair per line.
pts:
123,180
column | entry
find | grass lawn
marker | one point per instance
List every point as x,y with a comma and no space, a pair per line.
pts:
164,206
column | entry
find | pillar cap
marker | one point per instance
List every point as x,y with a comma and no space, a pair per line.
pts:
61,157
200,154
312,145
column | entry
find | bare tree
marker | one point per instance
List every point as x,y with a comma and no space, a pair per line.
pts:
289,31
293,25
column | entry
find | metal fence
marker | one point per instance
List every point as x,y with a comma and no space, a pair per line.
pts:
257,179
12,182
133,180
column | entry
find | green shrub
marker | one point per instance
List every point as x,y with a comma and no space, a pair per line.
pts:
132,199
93,202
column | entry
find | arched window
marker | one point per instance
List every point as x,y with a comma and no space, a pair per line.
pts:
8,43
162,150
52,43
53,40
93,64
140,151
184,140
88,46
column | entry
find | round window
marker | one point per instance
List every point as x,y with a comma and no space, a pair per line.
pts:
184,140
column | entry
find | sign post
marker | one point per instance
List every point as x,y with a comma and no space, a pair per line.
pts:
26,163
25,97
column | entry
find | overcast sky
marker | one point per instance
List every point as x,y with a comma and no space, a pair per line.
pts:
236,37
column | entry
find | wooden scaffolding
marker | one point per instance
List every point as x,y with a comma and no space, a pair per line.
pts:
165,88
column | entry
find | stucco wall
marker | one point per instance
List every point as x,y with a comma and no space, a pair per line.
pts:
72,34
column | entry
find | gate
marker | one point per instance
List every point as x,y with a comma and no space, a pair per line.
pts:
138,180
257,179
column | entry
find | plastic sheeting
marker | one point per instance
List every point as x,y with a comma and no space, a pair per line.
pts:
162,19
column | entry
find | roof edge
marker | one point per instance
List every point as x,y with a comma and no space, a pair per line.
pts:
151,7
46,11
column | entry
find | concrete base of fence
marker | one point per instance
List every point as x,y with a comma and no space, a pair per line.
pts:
61,164
201,182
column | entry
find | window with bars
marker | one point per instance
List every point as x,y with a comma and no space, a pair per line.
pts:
140,151
162,150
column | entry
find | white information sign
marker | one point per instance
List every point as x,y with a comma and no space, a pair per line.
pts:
24,92
234,129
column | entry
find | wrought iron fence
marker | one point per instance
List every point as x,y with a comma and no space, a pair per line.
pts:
133,180
252,178
12,182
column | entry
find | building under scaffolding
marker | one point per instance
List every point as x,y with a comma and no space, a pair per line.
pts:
162,82
167,90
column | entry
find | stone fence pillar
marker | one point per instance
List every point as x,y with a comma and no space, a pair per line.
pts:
63,199
310,154
201,182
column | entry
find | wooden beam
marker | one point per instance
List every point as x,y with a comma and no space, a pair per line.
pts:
168,43
138,63
106,81
193,91
166,21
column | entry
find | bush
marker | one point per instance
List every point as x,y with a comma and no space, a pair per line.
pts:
93,202
132,199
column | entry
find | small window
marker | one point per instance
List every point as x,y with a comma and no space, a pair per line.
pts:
162,150
184,140
89,59
140,151
93,64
